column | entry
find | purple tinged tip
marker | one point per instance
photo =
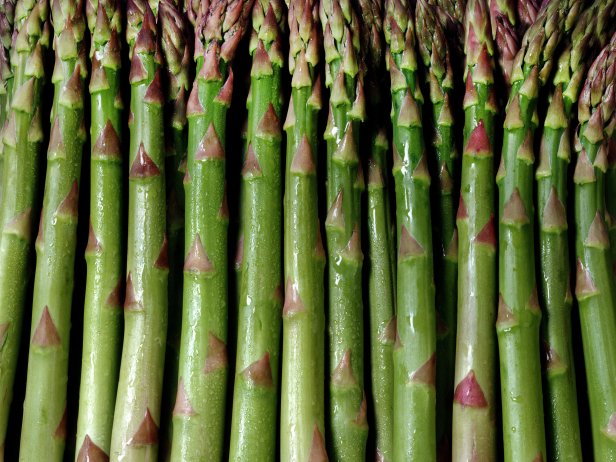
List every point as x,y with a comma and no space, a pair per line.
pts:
303,159
216,358
292,303
269,125
514,211
462,211
115,296
70,203
584,285
197,260
251,168
46,334
147,433
487,235
225,94
108,143
90,452
335,214
343,373
478,142
143,165
182,406
318,453
408,247
426,373
259,372
210,147
468,392
94,245
60,432
162,261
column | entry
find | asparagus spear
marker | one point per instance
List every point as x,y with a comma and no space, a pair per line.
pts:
347,401
44,422
199,414
519,312
22,148
178,61
414,351
552,173
527,10
594,288
259,321
138,402
303,368
474,422
7,15
381,263
100,362
434,49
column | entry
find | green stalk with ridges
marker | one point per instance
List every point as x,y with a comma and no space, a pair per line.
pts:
302,421
260,303
138,401
100,363
348,427
519,312
199,413
7,17
594,288
434,50
44,419
414,355
474,401
178,63
20,198
381,263
560,395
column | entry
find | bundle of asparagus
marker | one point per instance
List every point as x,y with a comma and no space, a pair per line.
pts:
401,362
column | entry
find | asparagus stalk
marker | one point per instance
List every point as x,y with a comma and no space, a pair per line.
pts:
381,262
199,413
347,401
594,282
44,422
560,398
260,303
434,49
519,312
302,409
100,362
137,412
178,61
22,148
7,16
414,354
474,403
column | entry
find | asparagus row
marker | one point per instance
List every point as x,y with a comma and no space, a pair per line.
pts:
100,362
138,402
434,49
474,405
381,262
519,312
414,356
44,422
302,409
260,303
594,282
198,416
178,60
555,294
345,182
20,199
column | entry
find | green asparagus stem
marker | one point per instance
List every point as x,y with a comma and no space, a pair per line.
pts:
434,50
560,394
414,354
303,369
345,182
594,288
7,16
178,63
22,149
253,424
137,413
44,422
100,362
199,413
474,420
519,312
381,263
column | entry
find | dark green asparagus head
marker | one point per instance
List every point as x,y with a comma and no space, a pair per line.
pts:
268,21
341,40
434,50
534,61
304,40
